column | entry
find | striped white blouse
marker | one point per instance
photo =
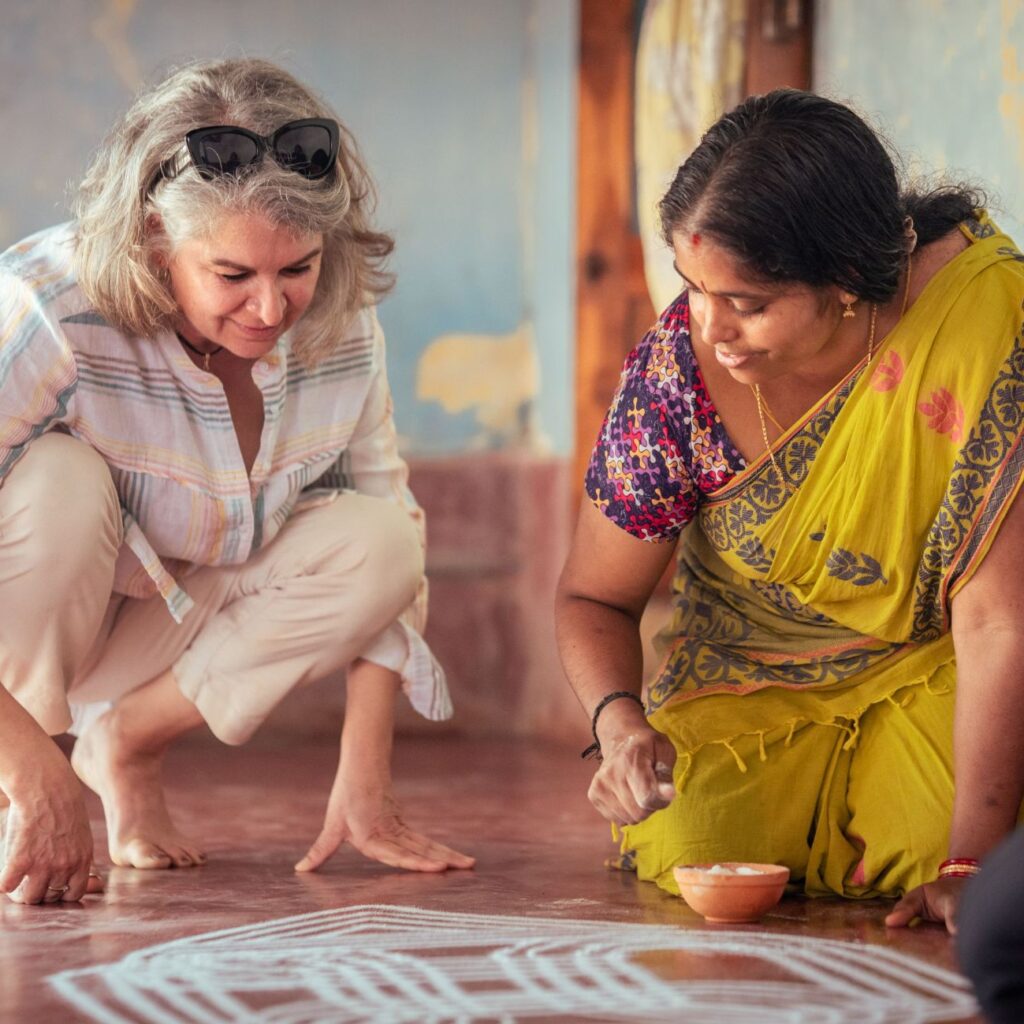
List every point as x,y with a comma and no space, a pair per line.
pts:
164,428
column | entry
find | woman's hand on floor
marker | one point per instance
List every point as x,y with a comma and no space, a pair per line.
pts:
635,777
370,821
934,901
361,809
47,841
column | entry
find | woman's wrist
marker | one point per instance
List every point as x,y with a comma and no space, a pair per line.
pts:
27,754
619,718
959,867
42,768
616,714
365,773
975,835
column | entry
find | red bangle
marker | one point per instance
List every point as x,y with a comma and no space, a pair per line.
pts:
959,867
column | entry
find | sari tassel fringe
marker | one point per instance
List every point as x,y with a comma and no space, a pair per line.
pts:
740,763
853,734
793,723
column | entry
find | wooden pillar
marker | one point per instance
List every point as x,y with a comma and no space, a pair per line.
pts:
779,38
613,307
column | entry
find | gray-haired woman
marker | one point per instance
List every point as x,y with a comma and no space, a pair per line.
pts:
201,501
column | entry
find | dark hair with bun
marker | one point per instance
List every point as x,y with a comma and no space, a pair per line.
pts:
800,188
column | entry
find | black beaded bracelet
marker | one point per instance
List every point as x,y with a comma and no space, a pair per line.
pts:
594,750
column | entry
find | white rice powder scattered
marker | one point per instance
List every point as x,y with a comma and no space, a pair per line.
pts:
721,869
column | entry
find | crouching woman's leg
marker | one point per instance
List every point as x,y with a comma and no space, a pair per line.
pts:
310,603
313,601
60,530
361,809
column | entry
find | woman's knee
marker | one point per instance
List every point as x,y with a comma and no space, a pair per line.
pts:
391,559
58,505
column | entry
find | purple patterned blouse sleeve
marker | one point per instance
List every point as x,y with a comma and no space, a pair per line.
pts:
662,445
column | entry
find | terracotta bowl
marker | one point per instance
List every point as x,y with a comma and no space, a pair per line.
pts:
731,899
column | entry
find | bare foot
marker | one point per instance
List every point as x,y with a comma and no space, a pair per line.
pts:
140,833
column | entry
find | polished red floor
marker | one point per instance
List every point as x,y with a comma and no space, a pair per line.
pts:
519,807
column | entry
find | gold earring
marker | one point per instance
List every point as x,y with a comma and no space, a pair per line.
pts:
848,311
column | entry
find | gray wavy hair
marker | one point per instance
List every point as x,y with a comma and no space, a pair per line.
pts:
116,254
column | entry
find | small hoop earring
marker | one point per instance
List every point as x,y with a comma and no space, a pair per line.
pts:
848,311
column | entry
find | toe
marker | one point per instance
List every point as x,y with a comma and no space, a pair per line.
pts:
186,855
195,855
145,856
180,857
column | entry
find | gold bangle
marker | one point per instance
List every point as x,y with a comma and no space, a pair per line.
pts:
959,868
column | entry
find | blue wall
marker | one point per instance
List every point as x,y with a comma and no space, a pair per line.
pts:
465,112
944,79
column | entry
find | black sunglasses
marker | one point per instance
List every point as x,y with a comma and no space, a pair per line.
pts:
308,147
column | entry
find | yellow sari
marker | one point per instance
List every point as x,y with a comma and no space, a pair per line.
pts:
809,672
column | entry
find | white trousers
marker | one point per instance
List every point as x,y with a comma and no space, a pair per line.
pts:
318,596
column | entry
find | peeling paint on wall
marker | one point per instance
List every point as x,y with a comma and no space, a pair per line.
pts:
495,375
470,136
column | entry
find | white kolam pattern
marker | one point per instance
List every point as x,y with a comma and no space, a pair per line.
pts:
403,964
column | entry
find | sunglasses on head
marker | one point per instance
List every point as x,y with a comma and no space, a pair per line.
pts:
308,147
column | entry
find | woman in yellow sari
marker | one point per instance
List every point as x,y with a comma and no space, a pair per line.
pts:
826,429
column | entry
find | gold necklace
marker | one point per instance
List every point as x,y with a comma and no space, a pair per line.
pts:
762,405
871,331
906,287
763,402
903,307
771,416
764,435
